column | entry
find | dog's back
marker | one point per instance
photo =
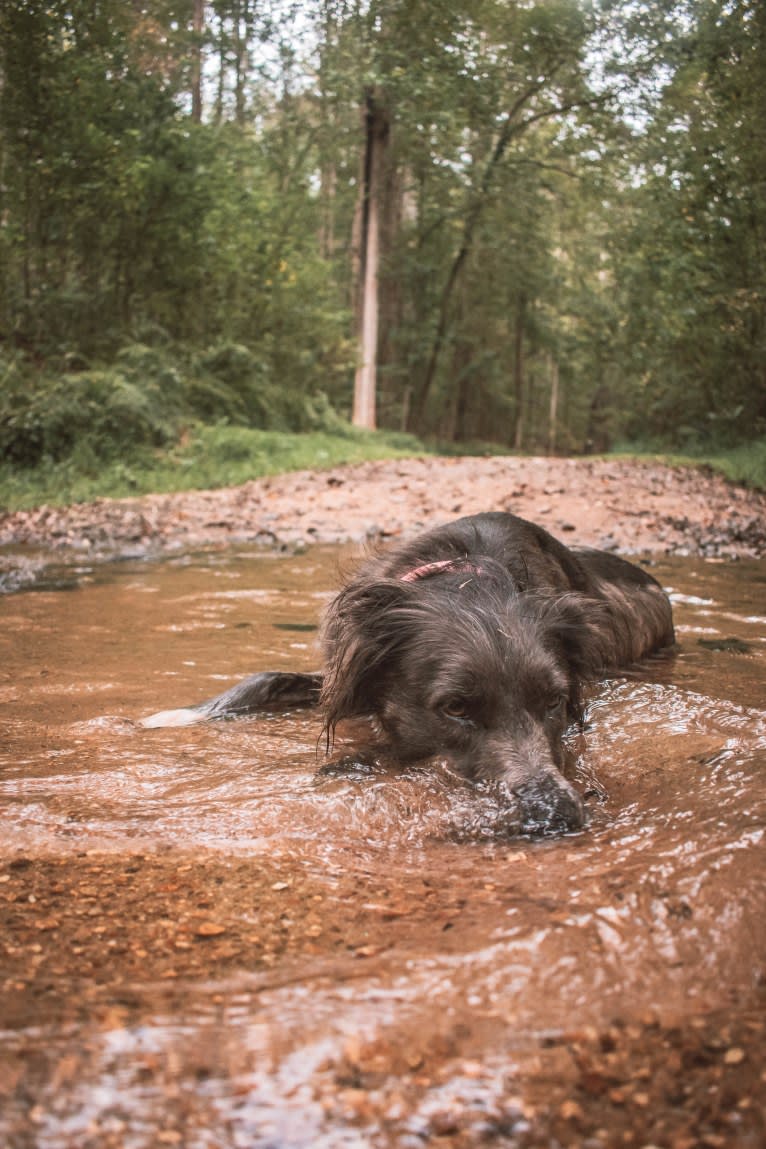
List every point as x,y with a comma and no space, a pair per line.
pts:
636,613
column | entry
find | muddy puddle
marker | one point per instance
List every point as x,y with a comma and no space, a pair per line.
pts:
206,943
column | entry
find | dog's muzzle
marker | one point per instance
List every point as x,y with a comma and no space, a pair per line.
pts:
549,805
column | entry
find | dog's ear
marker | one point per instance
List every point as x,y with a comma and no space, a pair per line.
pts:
360,641
575,627
578,627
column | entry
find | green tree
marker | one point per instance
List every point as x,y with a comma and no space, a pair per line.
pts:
691,259
103,189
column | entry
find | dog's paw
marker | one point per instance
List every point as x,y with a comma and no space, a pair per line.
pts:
183,717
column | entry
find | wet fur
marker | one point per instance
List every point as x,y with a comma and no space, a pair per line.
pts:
472,643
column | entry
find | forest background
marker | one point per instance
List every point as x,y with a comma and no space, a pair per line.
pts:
474,224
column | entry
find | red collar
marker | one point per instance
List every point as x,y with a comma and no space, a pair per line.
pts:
456,566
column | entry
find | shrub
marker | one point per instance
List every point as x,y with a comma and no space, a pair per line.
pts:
143,400
100,412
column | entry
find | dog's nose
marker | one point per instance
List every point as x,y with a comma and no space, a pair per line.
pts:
549,805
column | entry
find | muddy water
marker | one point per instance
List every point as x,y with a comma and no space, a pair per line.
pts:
209,944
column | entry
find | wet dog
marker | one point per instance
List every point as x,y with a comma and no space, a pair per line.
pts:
472,644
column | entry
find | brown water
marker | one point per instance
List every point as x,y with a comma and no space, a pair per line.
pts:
207,944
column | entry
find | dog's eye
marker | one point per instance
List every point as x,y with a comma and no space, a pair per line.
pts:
456,708
554,704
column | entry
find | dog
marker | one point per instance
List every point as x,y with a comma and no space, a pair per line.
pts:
472,644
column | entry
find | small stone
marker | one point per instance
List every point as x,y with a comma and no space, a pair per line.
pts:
209,930
571,1111
734,1056
445,1123
45,924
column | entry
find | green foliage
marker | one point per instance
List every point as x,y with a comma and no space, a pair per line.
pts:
573,217
225,456
103,185
94,415
744,464
118,214
145,399
207,457
689,251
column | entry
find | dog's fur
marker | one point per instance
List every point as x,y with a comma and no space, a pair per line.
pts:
471,644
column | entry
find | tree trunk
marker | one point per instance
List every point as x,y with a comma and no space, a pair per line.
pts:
328,183
597,433
518,373
328,178
242,32
463,372
369,208
221,85
553,408
198,28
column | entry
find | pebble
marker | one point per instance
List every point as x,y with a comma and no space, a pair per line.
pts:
209,930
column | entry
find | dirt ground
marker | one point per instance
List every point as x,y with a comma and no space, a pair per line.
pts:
616,504
646,1083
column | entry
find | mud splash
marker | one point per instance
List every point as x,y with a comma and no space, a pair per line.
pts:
207,943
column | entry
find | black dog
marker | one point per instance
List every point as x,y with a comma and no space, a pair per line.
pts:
471,644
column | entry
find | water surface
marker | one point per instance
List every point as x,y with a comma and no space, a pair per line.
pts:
208,943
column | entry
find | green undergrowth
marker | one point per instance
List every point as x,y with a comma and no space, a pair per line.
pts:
744,464
160,417
205,458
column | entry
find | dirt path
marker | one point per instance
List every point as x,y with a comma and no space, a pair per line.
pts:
617,504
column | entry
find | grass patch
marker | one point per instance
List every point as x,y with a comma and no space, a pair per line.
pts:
207,457
745,464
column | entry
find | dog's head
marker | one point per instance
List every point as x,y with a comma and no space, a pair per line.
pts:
454,663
